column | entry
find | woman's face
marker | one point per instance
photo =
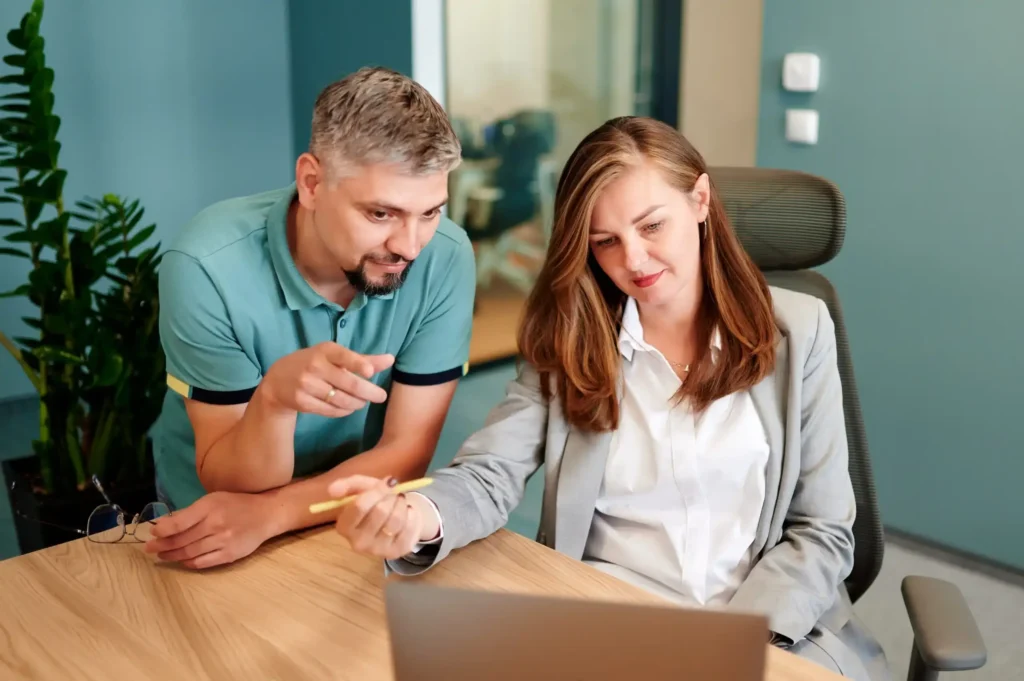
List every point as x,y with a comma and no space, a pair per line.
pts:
646,234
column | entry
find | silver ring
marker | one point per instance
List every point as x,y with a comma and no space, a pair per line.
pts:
331,393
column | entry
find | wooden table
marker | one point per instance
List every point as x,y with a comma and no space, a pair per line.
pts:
302,607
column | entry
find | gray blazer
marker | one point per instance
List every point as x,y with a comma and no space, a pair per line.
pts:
804,541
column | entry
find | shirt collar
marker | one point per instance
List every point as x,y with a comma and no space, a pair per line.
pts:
298,294
631,335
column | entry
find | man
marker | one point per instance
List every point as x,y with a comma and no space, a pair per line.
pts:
315,331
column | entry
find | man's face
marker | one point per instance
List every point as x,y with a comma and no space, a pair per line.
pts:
375,219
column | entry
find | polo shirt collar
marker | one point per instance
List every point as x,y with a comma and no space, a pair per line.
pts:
298,294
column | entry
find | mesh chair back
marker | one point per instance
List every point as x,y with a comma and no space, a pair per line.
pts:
789,222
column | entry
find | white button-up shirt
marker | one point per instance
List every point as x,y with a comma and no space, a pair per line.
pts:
682,494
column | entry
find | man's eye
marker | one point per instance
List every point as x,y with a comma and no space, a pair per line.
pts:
431,214
380,215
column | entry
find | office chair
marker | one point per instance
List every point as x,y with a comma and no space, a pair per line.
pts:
790,222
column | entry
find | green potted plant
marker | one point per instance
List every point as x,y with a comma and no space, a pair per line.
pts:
94,356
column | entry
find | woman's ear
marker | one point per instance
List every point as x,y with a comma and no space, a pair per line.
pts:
701,196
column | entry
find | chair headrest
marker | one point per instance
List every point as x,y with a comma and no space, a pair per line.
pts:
786,220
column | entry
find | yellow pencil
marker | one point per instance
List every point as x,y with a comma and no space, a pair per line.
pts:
344,501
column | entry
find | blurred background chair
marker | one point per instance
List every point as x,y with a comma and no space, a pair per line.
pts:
506,182
790,222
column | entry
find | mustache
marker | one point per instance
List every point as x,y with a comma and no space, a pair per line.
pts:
386,259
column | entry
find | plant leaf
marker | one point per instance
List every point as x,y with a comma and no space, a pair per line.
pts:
21,122
15,108
108,252
52,126
17,95
54,184
42,81
81,217
56,324
51,232
139,238
16,37
90,204
33,210
15,79
49,353
25,236
47,278
14,252
32,159
22,290
10,222
127,266
29,190
105,364
16,136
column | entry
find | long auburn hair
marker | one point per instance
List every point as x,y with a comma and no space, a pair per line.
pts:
569,332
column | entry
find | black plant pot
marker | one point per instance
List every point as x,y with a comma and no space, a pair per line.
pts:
39,519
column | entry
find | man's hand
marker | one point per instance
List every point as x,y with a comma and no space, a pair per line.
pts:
219,528
327,379
381,523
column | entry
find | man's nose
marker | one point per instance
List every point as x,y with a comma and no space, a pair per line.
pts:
405,241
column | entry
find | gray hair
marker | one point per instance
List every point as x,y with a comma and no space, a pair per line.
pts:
377,115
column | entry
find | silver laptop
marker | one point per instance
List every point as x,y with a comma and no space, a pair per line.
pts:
444,634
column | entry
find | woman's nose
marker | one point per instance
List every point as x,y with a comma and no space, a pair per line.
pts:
636,256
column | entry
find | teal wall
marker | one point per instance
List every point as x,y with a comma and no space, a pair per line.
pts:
332,38
181,104
921,106
177,103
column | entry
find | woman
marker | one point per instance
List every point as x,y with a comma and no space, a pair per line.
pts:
687,417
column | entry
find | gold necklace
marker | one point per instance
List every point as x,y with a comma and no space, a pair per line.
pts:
680,365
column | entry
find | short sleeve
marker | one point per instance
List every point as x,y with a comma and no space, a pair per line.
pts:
204,360
438,351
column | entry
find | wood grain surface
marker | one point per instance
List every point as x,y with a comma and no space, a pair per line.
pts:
302,607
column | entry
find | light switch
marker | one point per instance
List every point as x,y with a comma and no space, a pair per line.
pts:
801,72
802,126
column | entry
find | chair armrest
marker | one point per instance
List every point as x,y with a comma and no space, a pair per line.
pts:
946,636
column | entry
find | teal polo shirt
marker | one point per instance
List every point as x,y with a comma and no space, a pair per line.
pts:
232,302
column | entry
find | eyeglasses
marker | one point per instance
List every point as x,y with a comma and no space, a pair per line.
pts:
107,522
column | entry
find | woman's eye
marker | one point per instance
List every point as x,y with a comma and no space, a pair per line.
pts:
653,227
605,242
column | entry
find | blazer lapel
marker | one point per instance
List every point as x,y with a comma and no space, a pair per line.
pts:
769,397
579,484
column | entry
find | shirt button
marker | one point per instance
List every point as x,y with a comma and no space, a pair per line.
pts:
342,323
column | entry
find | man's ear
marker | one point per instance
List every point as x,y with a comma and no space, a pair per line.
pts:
308,179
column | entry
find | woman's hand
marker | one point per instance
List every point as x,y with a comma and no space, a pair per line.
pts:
379,522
